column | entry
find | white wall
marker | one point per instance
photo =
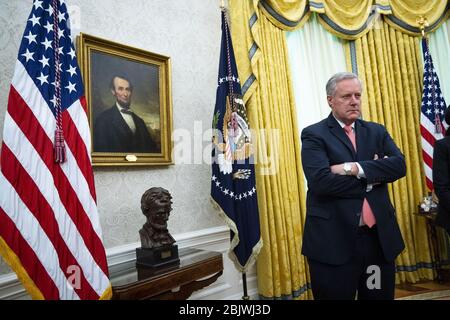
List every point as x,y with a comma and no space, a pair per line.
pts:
189,33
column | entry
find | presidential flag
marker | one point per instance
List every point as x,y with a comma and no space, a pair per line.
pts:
233,186
432,113
50,233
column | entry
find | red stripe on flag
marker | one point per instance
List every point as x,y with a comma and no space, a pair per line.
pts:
83,103
427,159
429,183
427,135
28,258
30,126
39,207
79,151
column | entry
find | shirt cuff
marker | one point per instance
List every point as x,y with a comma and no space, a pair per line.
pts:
361,173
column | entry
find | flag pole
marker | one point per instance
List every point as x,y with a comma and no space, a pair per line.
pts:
244,285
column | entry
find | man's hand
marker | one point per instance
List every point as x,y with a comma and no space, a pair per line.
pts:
339,169
375,157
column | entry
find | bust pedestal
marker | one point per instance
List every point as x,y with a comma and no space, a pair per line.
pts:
157,257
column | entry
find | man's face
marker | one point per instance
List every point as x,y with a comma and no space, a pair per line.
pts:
163,206
122,91
346,101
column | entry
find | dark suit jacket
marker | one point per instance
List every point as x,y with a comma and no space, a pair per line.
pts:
112,134
334,202
441,181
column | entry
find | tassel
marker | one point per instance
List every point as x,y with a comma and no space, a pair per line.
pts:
438,124
59,147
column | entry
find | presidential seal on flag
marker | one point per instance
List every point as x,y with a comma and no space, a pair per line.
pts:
234,141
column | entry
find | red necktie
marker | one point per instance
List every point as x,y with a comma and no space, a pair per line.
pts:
367,213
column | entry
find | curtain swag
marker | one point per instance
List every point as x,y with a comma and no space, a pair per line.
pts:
351,19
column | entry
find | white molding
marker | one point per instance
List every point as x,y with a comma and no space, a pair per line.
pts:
11,288
122,258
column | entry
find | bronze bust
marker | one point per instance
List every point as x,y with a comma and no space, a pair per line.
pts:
156,204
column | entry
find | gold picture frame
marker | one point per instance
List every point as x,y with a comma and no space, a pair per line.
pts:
128,94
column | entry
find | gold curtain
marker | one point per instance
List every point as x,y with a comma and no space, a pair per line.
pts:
348,19
281,268
286,14
351,19
406,12
289,9
389,64
245,35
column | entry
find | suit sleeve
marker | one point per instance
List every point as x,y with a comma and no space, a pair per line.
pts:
321,180
441,175
384,170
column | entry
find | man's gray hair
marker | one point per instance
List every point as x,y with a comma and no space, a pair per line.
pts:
338,77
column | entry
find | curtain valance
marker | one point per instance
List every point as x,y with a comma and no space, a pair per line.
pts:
286,14
406,12
351,19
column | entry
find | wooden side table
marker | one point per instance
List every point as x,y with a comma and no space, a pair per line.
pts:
197,269
431,217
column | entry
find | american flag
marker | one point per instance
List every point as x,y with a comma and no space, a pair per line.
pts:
432,113
50,233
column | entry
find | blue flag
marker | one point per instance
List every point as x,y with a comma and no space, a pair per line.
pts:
233,186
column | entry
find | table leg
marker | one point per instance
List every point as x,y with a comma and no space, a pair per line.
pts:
437,254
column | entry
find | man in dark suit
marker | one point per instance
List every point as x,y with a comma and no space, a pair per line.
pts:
441,176
351,235
119,129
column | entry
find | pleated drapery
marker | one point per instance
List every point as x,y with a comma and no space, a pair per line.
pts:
389,65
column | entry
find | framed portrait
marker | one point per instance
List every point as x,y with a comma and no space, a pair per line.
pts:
128,94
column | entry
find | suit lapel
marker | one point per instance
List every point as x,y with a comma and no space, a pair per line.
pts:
337,131
120,124
361,140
